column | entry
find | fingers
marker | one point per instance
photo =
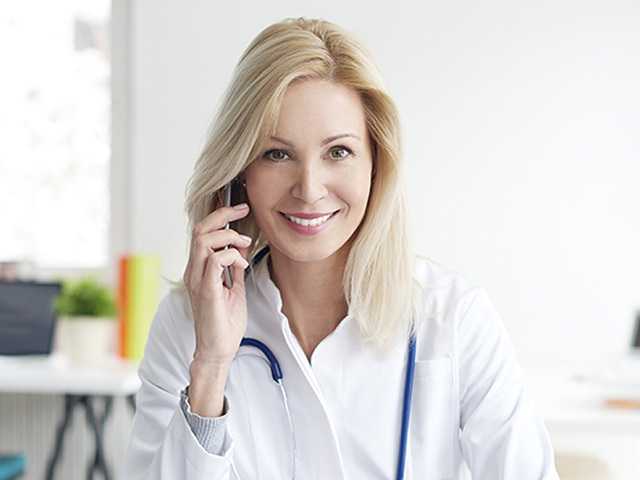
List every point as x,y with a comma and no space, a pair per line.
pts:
219,218
206,244
212,280
216,220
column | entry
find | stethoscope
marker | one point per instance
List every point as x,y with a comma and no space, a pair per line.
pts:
276,374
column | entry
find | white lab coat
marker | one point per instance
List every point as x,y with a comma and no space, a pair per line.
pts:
470,406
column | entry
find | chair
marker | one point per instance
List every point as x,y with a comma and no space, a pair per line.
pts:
577,466
12,466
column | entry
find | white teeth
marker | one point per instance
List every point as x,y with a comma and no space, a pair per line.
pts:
309,223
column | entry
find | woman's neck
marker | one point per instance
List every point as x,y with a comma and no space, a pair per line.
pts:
312,296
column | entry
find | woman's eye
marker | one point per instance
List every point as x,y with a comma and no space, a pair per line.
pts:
269,152
344,149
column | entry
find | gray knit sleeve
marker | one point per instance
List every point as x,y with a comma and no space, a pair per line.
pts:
209,431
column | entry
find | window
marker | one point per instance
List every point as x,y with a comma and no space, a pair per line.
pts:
55,123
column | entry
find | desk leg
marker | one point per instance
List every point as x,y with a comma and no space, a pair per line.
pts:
70,402
131,399
97,425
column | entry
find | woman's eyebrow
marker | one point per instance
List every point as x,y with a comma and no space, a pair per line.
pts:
324,142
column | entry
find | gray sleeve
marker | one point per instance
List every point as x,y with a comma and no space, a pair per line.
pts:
209,431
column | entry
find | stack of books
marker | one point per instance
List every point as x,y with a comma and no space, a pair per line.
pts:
138,296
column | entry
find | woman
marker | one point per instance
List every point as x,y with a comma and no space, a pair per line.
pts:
306,129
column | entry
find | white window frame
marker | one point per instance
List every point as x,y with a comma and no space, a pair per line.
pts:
119,226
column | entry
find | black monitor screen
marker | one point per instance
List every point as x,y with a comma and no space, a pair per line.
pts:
27,317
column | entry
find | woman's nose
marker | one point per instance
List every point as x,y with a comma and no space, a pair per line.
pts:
310,185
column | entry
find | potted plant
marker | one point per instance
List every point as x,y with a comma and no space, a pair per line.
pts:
87,329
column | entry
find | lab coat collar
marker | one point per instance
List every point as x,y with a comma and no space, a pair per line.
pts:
267,288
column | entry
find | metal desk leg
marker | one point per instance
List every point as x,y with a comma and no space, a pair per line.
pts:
131,399
70,402
97,425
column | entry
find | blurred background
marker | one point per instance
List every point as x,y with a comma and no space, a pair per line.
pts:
521,135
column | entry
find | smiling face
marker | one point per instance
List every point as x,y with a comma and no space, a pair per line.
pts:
307,169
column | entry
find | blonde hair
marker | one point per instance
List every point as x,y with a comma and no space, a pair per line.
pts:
378,283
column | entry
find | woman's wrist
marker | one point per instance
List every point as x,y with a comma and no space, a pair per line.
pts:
206,390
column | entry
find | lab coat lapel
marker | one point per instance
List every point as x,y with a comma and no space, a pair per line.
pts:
350,391
367,401
318,448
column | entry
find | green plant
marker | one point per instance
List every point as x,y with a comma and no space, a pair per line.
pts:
85,297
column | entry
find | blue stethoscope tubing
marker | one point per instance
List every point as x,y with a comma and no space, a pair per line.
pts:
276,374
406,406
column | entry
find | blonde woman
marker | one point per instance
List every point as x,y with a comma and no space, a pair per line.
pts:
333,351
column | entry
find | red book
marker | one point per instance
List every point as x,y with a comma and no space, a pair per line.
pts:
122,302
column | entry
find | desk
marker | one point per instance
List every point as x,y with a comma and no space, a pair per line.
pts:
81,386
575,395
571,399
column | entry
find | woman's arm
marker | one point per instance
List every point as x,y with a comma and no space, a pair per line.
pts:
210,431
162,444
501,434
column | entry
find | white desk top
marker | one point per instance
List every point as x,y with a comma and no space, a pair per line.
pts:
564,396
575,397
46,374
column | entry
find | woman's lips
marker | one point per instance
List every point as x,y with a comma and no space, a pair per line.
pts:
310,216
309,230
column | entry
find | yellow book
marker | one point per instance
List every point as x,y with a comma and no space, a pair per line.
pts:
143,292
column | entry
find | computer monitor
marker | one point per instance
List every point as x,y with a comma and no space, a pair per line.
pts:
635,339
27,317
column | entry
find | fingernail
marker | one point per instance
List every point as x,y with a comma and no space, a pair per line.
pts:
241,206
246,238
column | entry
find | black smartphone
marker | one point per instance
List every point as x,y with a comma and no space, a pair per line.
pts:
232,194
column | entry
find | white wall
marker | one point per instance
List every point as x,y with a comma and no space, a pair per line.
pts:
520,124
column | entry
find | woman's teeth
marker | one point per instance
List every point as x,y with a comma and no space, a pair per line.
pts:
309,222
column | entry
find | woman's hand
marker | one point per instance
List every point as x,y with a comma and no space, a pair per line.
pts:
220,313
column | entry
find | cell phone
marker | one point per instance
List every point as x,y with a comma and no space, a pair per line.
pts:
227,279
231,196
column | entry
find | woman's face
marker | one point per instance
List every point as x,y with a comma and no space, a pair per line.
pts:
306,170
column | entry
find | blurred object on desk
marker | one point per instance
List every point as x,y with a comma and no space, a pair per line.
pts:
27,318
87,327
618,379
12,270
86,340
8,271
623,403
575,396
138,297
635,339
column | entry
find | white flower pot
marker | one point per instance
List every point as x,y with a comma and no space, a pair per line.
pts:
87,340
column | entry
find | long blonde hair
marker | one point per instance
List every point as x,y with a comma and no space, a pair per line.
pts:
378,283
